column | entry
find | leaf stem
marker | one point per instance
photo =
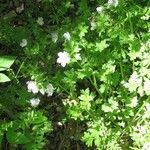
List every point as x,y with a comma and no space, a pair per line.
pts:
138,112
94,83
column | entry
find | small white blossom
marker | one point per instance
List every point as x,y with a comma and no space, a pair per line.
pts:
63,58
67,36
20,9
34,102
93,25
42,90
113,3
23,43
49,90
40,21
32,87
59,124
54,37
77,56
99,9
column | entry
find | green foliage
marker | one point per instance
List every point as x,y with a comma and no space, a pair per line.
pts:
86,62
5,64
27,129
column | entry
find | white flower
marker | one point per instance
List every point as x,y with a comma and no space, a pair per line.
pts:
20,9
49,90
34,102
122,124
93,25
54,37
113,3
99,9
59,124
40,21
67,36
77,56
32,87
63,58
23,43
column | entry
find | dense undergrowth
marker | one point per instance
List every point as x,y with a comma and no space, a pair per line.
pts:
74,75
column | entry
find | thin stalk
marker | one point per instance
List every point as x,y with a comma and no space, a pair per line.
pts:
131,25
20,67
94,83
133,120
121,69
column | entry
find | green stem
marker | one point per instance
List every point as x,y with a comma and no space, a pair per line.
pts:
133,120
94,83
121,69
131,25
63,89
20,67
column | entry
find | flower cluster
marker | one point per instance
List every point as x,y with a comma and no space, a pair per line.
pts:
34,88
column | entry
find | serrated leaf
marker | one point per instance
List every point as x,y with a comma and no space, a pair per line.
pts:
3,78
6,62
101,46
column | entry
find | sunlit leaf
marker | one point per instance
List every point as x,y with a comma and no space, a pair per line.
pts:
3,78
6,62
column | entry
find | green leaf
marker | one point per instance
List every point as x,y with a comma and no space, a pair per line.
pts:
18,137
6,62
3,78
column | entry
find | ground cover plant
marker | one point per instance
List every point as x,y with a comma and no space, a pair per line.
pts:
74,75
